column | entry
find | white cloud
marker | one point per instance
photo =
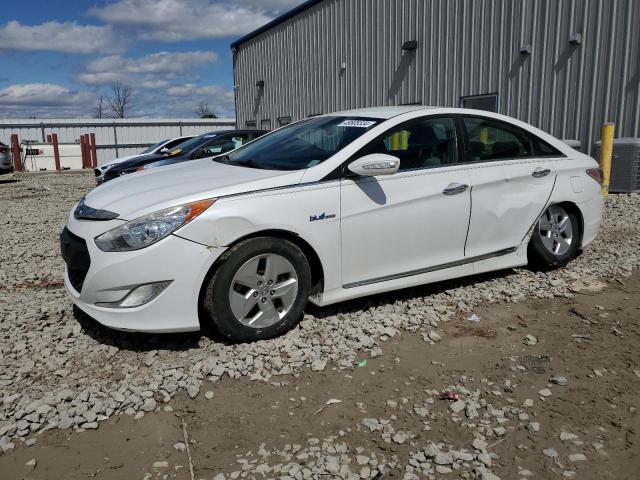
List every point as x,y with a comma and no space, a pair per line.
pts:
54,36
46,94
183,99
172,20
44,100
150,71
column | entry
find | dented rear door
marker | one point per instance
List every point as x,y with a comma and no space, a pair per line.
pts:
506,199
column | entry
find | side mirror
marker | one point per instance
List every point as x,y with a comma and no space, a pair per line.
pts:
375,164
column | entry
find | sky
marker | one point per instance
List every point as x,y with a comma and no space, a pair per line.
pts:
57,57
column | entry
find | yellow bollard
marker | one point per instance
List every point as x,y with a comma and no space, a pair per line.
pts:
606,151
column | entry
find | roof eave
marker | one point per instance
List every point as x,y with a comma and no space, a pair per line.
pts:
276,21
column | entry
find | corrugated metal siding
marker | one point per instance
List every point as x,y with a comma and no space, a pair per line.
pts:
464,48
139,132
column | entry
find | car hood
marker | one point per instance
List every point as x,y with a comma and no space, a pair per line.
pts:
139,160
144,192
116,161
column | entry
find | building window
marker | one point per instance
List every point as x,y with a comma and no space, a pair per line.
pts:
282,121
265,124
250,124
488,102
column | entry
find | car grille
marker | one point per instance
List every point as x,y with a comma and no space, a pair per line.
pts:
76,256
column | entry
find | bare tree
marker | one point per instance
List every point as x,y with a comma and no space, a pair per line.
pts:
120,102
99,109
203,111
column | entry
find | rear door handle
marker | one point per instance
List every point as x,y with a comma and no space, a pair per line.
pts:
455,188
540,172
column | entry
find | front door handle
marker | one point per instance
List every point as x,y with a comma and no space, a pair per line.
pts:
540,172
455,188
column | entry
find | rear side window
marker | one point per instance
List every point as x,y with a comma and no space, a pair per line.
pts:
543,149
488,139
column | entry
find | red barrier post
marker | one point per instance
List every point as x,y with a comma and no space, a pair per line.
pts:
83,150
15,148
48,138
56,151
94,151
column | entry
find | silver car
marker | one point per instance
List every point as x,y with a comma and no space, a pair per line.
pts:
6,165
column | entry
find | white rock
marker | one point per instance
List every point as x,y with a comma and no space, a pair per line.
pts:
457,406
577,457
433,336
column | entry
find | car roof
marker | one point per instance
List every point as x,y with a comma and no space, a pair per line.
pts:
380,112
221,132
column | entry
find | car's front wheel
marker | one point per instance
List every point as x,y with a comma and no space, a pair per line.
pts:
259,289
555,238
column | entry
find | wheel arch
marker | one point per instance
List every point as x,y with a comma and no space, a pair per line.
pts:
315,264
571,207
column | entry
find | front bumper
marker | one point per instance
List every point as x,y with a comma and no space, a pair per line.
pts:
111,275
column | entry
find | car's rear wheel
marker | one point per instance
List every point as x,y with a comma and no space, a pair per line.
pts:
555,239
259,289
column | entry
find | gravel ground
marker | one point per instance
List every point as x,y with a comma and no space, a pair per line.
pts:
59,370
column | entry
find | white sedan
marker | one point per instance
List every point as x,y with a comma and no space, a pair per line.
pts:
324,210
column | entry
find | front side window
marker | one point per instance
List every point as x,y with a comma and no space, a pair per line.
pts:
153,147
174,143
419,144
492,140
222,145
301,145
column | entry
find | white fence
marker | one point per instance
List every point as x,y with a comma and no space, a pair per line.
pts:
114,138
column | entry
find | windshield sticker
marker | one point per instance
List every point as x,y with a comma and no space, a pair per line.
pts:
356,123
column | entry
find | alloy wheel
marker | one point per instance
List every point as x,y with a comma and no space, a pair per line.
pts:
555,230
263,290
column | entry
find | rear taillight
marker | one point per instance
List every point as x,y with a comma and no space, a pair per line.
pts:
596,174
4,149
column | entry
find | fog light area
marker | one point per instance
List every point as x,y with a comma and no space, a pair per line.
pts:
139,296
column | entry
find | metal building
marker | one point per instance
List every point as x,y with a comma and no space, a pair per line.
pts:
565,66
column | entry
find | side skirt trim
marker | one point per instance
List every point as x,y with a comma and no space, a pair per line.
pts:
442,266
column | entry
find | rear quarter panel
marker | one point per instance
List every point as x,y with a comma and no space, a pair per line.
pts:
575,186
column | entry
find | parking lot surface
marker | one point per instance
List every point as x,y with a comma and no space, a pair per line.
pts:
544,385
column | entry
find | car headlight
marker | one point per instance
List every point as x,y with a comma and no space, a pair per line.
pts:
149,229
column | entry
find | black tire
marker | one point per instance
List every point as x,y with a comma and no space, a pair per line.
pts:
216,296
541,257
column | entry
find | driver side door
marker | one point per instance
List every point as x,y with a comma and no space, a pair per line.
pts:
413,221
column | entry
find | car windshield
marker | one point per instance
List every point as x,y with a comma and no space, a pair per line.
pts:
153,147
195,142
300,145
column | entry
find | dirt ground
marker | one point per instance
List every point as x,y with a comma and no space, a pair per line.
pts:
592,340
